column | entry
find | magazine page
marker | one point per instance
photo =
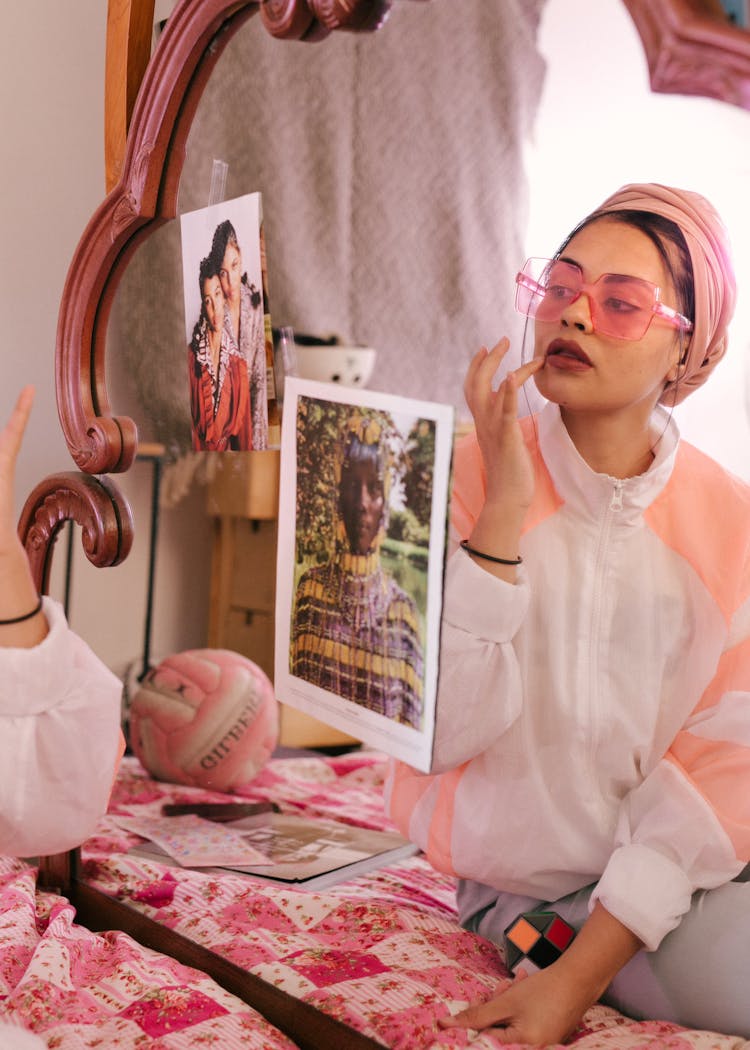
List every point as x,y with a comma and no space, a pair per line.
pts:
297,848
363,509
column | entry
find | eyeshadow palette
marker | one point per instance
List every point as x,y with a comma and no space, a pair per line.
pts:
535,939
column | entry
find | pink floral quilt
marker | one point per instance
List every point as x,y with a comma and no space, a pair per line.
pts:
77,989
383,952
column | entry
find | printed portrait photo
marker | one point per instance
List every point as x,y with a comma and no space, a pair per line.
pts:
358,629
227,326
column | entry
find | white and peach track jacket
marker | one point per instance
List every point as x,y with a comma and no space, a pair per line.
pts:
593,720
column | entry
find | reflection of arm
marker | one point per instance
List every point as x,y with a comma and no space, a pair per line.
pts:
18,594
59,707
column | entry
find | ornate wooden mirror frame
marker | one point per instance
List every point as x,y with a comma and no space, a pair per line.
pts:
691,49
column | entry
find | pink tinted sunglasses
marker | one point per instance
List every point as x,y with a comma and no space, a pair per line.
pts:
621,306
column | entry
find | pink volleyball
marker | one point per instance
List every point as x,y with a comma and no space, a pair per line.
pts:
205,717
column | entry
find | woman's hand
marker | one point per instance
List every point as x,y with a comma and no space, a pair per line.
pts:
508,467
540,1010
10,444
547,1006
18,594
510,475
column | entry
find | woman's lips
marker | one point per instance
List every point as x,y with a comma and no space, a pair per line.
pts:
567,356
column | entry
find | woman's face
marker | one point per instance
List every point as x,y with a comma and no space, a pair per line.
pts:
587,371
361,501
213,303
231,274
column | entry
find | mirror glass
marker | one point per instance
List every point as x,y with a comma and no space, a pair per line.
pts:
404,177
393,196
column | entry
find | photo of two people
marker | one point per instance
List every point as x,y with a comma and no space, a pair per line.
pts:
225,326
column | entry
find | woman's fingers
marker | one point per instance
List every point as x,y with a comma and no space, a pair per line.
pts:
485,364
536,364
12,434
487,1014
512,384
482,368
481,372
471,373
492,360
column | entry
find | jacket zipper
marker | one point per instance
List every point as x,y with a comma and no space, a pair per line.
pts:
610,510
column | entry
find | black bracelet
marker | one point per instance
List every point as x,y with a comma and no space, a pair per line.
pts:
490,557
26,616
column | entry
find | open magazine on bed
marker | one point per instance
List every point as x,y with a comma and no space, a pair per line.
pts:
275,847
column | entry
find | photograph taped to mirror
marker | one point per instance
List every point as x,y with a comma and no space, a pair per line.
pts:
233,405
361,547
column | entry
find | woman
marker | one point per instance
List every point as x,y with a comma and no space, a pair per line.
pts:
59,706
219,394
592,748
355,631
246,324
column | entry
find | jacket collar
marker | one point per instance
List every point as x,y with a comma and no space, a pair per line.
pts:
577,484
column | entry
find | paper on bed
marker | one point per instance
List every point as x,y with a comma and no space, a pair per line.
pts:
195,842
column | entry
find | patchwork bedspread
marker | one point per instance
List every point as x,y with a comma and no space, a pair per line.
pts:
383,952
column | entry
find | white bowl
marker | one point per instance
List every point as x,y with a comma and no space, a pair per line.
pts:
347,365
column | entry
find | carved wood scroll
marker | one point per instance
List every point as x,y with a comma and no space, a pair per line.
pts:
93,503
692,48
314,19
146,196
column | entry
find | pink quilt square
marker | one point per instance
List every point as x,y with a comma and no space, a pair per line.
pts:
325,966
170,1010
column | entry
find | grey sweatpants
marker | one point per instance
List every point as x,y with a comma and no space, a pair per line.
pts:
699,976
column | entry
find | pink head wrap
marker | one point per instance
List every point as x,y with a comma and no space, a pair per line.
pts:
715,289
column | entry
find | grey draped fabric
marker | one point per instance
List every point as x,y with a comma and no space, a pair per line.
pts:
394,197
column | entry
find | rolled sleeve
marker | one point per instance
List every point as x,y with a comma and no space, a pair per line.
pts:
482,605
29,674
479,690
645,891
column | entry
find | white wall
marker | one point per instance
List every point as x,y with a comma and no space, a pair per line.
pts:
599,127
51,83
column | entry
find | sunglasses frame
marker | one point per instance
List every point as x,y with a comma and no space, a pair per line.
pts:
532,287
